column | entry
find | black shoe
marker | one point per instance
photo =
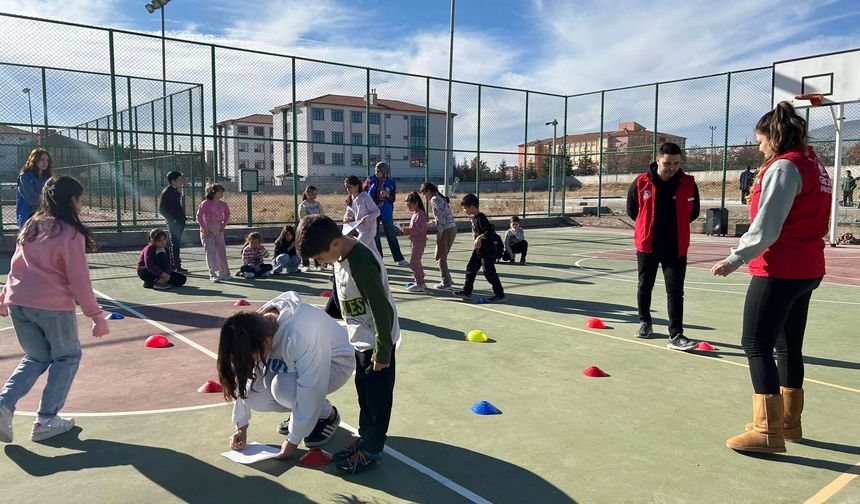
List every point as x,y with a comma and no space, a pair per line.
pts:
359,461
147,285
497,300
680,342
462,294
347,451
284,427
181,270
645,331
324,431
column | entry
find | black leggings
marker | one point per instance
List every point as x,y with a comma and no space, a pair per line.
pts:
775,317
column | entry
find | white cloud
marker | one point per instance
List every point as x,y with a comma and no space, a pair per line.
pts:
91,11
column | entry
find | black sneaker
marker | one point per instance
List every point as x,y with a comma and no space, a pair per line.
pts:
680,342
181,270
347,452
147,285
284,427
323,431
359,461
645,330
461,294
497,300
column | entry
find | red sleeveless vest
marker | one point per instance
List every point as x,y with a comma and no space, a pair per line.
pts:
643,232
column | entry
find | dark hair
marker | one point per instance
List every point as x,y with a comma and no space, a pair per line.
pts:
56,202
281,241
211,189
353,181
427,186
515,218
173,176
252,236
469,200
670,149
784,129
415,198
308,189
156,234
240,346
33,160
315,234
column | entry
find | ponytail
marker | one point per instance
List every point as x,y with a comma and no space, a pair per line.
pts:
415,199
784,129
427,186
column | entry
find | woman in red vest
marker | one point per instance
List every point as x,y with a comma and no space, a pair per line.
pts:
789,211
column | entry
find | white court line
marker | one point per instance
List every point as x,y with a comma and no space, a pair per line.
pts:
132,413
446,482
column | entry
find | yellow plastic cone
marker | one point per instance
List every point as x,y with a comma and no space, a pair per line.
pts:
476,336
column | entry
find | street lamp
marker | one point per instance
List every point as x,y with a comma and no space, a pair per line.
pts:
711,155
554,124
151,8
26,91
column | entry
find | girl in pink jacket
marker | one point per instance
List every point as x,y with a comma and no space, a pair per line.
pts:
49,272
213,215
417,231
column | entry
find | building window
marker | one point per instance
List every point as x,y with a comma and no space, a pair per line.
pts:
373,158
243,147
357,139
357,160
258,147
258,165
388,116
388,137
337,158
271,131
272,164
373,139
373,117
259,131
318,114
318,158
318,136
243,165
337,115
337,137
271,148
406,117
357,116
405,137
242,130
417,130
405,158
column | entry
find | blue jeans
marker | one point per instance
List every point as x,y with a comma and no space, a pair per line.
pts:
290,262
390,235
50,343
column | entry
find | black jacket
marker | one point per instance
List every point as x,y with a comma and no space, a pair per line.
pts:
170,205
665,221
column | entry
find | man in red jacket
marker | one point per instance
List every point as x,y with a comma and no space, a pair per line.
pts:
663,201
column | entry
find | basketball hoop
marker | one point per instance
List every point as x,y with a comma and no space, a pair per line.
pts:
814,98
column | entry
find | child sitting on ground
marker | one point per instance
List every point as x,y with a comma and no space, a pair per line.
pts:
253,254
286,256
153,265
515,242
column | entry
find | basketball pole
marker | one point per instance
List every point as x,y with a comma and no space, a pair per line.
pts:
838,118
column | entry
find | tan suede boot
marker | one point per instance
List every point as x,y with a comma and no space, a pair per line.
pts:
792,403
766,436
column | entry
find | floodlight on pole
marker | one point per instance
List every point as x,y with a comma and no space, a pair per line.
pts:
151,8
711,154
26,91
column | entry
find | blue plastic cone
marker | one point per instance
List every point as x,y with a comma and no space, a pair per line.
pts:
485,408
483,301
115,316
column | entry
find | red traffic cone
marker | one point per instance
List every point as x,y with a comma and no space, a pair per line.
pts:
317,457
594,372
704,346
241,302
210,387
595,323
156,341
325,293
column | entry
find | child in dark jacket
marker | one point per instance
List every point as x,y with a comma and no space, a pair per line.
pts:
154,266
286,256
483,254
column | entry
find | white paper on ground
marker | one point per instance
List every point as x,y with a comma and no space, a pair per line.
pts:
349,226
253,452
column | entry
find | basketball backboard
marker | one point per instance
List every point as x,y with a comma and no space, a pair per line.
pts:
835,76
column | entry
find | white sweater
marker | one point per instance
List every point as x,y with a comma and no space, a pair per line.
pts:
307,342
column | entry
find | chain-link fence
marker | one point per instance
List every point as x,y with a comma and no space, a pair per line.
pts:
97,99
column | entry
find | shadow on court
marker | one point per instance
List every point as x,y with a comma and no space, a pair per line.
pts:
807,359
187,478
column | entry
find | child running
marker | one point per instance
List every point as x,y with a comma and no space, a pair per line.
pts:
361,283
484,252
286,256
446,231
49,271
253,254
309,206
360,207
515,242
417,231
213,215
154,265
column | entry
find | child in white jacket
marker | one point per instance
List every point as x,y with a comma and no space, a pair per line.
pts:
299,355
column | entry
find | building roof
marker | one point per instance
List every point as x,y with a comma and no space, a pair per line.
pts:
585,137
358,102
9,130
251,119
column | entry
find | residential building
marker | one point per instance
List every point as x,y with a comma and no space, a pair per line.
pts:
246,143
338,137
630,137
15,147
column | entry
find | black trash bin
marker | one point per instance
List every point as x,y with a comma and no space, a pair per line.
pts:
717,222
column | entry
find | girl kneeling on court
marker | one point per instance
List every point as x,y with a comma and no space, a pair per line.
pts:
49,272
153,265
287,357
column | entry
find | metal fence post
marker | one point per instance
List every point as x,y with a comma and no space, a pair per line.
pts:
600,155
214,121
726,141
295,150
566,162
367,123
132,113
525,153
45,109
427,135
478,157
203,149
116,183
190,147
656,109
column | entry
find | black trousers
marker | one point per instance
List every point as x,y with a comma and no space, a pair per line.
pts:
375,398
175,230
161,260
775,317
674,272
486,258
520,247
264,268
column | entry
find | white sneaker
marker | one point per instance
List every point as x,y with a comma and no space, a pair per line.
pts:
54,427
158,286
305,269
403,262
443,286
416,288
214,279
267,274
6,424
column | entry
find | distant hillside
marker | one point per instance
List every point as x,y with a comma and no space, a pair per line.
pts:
850,130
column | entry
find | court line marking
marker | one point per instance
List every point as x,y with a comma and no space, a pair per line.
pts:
835,486
446,482
642,343
132,413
